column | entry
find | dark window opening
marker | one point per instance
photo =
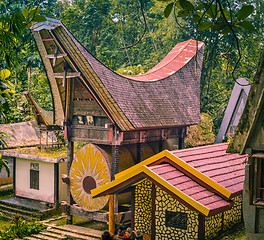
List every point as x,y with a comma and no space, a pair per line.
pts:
34,176
176,220
260,180
257,181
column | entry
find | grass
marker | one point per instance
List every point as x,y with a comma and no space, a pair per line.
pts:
5,194
4,223
236,233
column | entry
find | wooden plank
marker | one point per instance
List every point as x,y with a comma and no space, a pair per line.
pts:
68,75
51,56
98,216
86,107
153,211
258,183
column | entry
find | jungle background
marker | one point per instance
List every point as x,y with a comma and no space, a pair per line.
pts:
107,27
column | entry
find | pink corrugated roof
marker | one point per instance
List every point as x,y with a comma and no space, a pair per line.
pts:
189,187
179,56
224,168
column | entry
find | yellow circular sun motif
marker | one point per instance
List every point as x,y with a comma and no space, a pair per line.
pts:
89,170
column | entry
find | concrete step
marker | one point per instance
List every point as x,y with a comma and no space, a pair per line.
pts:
42,236
50,234
64,233
10,215
31,238
20,211
80,230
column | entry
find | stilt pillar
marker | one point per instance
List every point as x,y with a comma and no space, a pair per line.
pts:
140,149
70,147
111,214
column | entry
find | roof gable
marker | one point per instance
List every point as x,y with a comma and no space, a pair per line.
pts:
170,172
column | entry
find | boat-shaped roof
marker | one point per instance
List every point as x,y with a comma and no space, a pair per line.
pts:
168,95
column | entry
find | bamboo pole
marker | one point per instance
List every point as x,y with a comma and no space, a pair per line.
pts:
111,214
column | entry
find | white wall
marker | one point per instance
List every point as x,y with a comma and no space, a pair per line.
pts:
46,180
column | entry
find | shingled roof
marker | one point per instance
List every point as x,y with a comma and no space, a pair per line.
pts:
166,96
203,178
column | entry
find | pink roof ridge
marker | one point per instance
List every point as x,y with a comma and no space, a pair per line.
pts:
179,56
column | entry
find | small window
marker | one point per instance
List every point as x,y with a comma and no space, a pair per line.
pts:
257,180
176,220
34,176
260,180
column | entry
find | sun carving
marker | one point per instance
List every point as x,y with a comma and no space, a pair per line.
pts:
89,170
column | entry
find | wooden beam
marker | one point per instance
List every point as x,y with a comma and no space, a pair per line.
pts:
258,184
58,56
111,214
201,227
133,195
251,179
47,39
68,75
153,211
56,184
14,176
70,150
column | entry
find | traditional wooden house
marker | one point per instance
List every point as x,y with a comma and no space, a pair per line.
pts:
37,186
189,194
249,138
129,118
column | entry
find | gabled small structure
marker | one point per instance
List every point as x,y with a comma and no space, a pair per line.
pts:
249,138
35,173
234,110
184,194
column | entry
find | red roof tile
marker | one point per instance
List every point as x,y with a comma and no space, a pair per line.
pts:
181,54
189,187
224,168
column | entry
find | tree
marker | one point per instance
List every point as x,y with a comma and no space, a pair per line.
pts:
13,23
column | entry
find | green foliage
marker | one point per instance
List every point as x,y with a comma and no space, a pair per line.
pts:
3,164
131,70
201,134
20,228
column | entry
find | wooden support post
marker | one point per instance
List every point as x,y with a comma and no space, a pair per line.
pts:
161,145
259,170
153,212
70,149
115,161
251,179
201,227
111,214
140,149
56,184
181,143
133,208
14,176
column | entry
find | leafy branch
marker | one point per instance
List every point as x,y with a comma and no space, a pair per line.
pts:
214,17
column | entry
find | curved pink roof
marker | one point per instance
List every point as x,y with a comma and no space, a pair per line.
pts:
180,55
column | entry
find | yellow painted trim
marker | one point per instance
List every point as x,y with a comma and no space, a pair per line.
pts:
144,169
146,162
210,182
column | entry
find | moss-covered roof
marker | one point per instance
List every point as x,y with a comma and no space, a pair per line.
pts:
249,132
